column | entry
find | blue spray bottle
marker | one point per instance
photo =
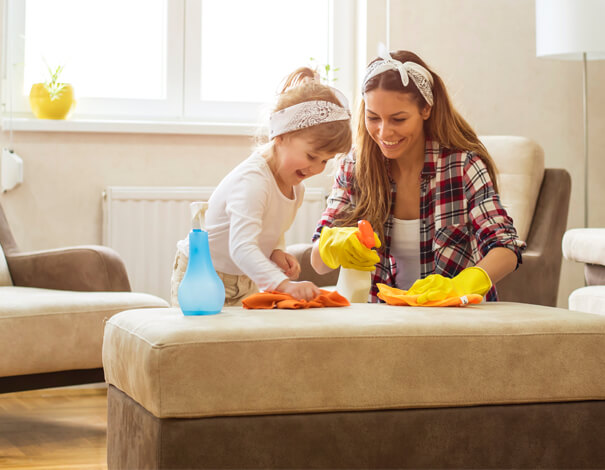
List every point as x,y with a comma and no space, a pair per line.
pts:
201,291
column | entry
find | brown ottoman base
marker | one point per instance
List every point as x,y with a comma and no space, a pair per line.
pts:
544,435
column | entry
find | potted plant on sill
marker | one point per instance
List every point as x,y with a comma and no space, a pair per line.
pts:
52,99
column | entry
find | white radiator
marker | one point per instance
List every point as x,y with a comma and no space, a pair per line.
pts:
143,225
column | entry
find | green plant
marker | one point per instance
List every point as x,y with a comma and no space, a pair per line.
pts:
54,86
326,72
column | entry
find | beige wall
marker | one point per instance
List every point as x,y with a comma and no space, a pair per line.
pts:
60,201
485,52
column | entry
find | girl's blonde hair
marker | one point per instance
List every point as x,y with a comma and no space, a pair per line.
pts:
445,125
303,85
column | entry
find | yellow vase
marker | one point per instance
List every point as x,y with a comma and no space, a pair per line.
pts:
45,108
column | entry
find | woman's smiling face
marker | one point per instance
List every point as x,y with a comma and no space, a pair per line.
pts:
395,122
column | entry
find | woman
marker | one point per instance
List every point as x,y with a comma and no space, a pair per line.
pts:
428,186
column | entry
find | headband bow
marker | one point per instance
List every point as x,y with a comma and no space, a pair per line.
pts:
421,77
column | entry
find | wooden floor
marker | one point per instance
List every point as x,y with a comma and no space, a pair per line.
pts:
62,428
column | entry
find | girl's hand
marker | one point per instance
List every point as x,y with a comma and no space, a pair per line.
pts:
303,290
287,263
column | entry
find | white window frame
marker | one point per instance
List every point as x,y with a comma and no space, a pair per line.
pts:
182,103
340,54
168,108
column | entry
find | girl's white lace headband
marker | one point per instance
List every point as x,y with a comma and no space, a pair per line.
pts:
421,76
307,114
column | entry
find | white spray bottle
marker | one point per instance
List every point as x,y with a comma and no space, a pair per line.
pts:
353,283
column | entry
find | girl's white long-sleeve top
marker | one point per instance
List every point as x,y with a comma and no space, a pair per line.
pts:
246,220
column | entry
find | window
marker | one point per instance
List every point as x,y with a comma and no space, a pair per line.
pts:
204,60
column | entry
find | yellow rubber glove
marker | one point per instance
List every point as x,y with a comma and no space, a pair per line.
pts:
340,246
473,280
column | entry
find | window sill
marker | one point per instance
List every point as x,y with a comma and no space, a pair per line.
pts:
127,126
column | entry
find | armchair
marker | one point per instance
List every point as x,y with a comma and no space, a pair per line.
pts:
53,307
587,245
538,201
536,198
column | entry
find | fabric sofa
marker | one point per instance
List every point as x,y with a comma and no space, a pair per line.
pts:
53,305
587,245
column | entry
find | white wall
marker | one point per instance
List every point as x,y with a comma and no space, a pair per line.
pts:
485,52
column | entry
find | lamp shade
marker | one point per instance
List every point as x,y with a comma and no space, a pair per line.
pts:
565,29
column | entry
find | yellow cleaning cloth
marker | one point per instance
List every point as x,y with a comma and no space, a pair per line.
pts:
394,296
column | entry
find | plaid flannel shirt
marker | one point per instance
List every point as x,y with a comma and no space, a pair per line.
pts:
461,217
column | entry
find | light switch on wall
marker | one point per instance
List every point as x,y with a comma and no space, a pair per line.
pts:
11,170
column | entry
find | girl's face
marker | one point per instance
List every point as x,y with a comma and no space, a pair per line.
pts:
297,159
395,122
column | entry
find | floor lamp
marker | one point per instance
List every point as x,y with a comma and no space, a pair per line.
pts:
572,30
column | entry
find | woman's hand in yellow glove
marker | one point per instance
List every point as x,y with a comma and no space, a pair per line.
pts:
340,246
473,280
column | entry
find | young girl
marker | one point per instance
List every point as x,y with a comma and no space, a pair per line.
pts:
255,204
427,185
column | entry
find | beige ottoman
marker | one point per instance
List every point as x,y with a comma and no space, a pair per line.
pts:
367,386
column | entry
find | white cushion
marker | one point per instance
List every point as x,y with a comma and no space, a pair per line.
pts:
589,299
520,163
5,276
47,330
585,245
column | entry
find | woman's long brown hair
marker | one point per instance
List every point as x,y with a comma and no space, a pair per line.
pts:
445,125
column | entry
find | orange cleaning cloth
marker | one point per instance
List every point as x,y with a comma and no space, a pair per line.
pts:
394,296
280,300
